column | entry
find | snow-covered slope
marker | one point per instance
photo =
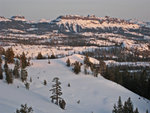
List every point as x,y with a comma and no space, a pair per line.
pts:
96,95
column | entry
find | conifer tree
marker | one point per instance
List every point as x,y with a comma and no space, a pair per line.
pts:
45,82
30,79
85,70
68,62
0,60
56,93
115,109
27,85
136,110
3,52
102,66
119,107
87,61
24,109
77,67
53,56
1,72
5,65
126,108
23,61
39,56
129,105
24,75
9,55
16,70
9,77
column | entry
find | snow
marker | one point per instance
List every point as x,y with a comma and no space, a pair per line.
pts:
32,29
95,94
15,31
33,50
3,19
18,18
129,44
44,21
94,23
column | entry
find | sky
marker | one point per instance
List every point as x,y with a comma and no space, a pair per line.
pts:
51,9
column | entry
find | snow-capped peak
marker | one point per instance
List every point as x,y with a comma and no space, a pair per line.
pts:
74,22
18,18
4,19
44,21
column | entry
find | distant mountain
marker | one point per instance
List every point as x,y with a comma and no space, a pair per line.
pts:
141,23
71,23
74,24
18,18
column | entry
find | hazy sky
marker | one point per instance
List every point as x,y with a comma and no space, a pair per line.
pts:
50,9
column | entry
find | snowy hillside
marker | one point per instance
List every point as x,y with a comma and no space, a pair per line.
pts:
96,95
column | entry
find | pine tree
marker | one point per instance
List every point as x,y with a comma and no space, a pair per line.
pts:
77,67
87,61
129,105
25,109
27,85
45,82
103,67
9,77
0,60
16,70
126,108
30,79
6,65
68,62
1,72
24,75
53,56
85,70
148,88
3,52
115,109
119,107
136,110
9,55
95,73
23,61
39,56
56,91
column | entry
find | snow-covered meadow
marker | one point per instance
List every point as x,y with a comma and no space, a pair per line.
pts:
96,95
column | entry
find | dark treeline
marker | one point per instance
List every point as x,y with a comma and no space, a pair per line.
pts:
138,82
133,77
119,54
